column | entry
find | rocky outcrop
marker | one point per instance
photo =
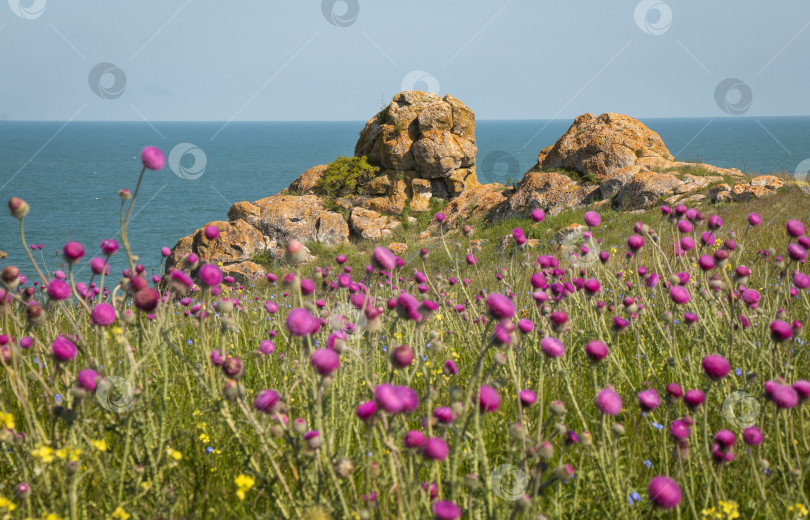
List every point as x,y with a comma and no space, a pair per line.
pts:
424,137
756,188
599,146
476,203
552,192
615,159
371,225
284,217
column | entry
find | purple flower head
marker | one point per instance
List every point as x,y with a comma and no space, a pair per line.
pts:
679,429
500,307
301,323
596,350
414,439
527,397
73,252
103,315
592,219
694,398
325,361
752,436
649,400
210,275
664,492
608,401
781,331
153,158
446,510
784,397
87,379
408,307
58,289
435,448
382,258
488,399
679,295
538,215
109,246
267,401
754,219
63,349
552,347
366,410
211,232
716,367
794,228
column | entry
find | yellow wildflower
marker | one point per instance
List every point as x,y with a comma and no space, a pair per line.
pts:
799,509
205,438
7,420
43,452
68,453
195,413
243,484
176,455
7,505
120,514
100,445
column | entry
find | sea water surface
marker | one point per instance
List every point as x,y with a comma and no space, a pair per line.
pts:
70,174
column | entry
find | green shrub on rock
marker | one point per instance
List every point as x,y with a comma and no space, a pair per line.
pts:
345,176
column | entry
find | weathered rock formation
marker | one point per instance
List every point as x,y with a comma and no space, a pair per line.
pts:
613,159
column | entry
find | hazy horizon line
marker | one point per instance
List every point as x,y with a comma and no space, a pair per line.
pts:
361,120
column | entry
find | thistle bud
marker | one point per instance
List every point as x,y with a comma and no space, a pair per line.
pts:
22,490
618,429
557,409
233,390
344,467
18,207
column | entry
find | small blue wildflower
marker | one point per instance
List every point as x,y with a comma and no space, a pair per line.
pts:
633,498
648,463
209,449
657,426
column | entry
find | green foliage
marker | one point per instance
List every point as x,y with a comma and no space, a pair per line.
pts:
687,169
575,176
345,176
263,258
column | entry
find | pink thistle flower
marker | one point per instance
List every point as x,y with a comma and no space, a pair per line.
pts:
527,397
609,402
446,510
649,400
435,448
73,252
325,361
63,349
87,379
664,492
716,367
365,411
267,401
153,158
488,399
103,315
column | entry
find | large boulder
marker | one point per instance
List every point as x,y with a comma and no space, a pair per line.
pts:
598,146
552,192
238,241
371,225
284,217
479,202
428,137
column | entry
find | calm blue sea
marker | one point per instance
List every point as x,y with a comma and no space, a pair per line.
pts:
70,173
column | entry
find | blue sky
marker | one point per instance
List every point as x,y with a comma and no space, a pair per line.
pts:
283,60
